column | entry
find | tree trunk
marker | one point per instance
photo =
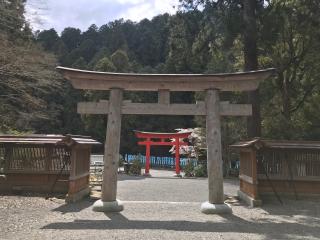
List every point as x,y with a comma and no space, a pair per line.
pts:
286,104
251,63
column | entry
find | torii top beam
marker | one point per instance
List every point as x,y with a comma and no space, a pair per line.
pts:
141,134
92,80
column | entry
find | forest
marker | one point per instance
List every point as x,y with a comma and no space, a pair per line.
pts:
202,37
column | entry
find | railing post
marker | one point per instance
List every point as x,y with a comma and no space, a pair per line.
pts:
8,156
253,159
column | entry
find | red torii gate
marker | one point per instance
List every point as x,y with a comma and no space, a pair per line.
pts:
148,136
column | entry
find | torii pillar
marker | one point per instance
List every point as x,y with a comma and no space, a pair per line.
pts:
214,156
108,201
213,109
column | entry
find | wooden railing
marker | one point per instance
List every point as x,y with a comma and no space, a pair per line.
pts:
34,158
288,164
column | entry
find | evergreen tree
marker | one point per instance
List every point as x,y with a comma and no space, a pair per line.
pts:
105,65
120,61
48,39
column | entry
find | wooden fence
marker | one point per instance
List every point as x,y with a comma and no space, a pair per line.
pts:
278,167
34,158
46,163
288,164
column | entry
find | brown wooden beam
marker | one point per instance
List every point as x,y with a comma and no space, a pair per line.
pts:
226,109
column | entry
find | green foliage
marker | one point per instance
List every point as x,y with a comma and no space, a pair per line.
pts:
290,36
184,28
87,49
135,168
120,61
12,21
30,87
105,65
121,161
189,169
60,49
103,52
71,37
80,63
48,39
200,170
33,95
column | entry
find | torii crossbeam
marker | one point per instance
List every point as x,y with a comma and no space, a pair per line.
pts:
212,108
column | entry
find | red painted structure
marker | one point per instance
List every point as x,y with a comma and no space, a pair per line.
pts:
163,141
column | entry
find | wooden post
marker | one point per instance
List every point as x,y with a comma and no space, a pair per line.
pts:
253,159
48,158
73,171
73,162
177,156
112,147
8,155
164,96
147,158
109,202
214,156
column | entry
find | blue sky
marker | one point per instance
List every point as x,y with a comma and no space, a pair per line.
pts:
58,14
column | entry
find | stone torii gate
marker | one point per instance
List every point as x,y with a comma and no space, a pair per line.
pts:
212,108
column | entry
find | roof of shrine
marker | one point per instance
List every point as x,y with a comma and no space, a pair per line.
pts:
258,143
47,139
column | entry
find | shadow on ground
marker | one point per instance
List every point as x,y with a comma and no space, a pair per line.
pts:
74,207
308,211
230,223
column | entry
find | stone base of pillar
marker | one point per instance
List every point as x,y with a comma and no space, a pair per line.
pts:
147,175
211,208
100,206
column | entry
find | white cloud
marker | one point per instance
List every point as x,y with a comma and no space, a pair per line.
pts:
130,1
59,14
149,9
169,6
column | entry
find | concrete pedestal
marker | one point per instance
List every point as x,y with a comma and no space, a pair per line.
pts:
100,206
209,208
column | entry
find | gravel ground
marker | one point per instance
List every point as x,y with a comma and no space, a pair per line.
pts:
160,207
162,186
